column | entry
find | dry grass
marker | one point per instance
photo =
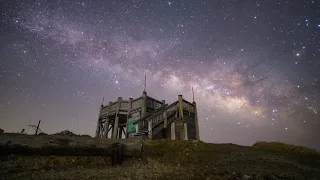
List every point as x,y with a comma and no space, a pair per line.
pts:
173,160
282,147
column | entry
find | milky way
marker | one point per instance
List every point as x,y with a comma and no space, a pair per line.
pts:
254,65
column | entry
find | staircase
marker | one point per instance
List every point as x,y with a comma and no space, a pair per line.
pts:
158,120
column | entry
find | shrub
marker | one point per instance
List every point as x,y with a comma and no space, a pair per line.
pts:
282,147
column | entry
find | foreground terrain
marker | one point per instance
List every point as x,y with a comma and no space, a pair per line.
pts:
176,160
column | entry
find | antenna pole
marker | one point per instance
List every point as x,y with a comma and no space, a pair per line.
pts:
192,95
102,101
145,83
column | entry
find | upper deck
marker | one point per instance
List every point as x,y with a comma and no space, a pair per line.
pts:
122,106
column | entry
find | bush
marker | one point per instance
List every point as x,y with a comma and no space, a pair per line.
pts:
282,147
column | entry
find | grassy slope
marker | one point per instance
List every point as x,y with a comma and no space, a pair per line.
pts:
173,160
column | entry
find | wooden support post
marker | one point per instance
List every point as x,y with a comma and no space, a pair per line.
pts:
165,121
116,127
98,129
196,120
119,132
173,131
112,129
106,127
98,123
116,121
150,128
109,122
128,116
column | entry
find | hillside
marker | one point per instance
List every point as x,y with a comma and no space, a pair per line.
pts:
177,160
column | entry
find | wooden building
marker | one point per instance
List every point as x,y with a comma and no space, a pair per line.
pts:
146,117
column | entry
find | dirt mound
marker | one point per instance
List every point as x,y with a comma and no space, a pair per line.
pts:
65,133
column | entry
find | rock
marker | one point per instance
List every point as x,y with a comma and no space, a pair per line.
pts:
1,131
270,177
245,177
274,178
239,176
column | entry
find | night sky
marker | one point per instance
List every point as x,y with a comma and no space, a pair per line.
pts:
254,65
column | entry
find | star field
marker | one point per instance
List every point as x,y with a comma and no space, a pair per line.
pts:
254,65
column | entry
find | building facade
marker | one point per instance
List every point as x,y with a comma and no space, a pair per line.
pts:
146,117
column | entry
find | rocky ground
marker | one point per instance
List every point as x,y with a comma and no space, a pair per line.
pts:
176,160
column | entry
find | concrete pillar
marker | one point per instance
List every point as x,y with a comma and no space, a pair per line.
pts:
165,120
128,116
116,121
180,124
144,104
150,128
180,106
185,131
173,131
196,120
164,115
137,127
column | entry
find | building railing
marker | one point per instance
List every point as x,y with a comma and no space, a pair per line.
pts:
187,106
136,103
124,105
153,103
104,110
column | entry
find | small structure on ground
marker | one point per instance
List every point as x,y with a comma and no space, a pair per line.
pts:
146,117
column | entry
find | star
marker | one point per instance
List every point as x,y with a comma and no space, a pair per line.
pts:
241,70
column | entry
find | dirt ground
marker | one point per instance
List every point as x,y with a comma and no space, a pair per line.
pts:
172,160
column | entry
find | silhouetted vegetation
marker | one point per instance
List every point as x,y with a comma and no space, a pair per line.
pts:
69,133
